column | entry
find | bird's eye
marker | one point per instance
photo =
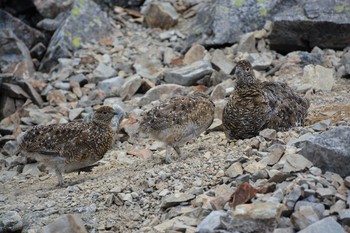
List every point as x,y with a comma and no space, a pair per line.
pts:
105,113
247,69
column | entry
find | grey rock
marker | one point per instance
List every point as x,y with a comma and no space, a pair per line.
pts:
304,216
269,134
161,14
344,216
284,230
296,162
176,199
11,221
31,169
347,181
326,225
31,35
234,170
292,197
6,176
246,16
130,87
329,150
212,222
74,113
111,86
85,21
103,71
261,61
79,78
195,53
322,125
275,153
315,171
337,207
317,23
246,43
325,192
319,77
345,60
319,208
222,62
51,8
188,75
162,92
15,56
68,223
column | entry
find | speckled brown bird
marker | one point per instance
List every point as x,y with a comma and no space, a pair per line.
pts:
179,120
256,105
71,146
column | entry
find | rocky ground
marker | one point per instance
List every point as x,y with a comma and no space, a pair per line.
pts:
269,183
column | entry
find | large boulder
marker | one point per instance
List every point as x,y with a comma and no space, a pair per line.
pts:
311,23
51,8
14,56
329,150
30,36
85,22
297,24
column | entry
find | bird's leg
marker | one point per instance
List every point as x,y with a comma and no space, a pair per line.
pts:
177,149
59,177
168,154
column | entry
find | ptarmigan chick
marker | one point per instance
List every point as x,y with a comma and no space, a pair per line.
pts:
256,105
179,120
71,146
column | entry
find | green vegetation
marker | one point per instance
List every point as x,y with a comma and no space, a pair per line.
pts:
238,3
76,41
263,11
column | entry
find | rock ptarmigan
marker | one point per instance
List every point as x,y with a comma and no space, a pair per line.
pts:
178,120
255,106
71,146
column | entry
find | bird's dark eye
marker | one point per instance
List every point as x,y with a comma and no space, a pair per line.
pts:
105,113
247,69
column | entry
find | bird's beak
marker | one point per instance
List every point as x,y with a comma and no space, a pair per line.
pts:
233,71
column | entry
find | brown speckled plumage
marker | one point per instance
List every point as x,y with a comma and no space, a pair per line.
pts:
256,105
71,146
179,120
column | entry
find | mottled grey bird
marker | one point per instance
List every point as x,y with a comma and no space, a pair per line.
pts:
72,146
179,120
256,105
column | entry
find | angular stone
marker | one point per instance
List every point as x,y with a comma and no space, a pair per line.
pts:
344,216
337,207
319,208
103,71
195,53
222,62
212,222
162,92
85,22
161,14
267,210
322,125
304,216
166,226
319,77
176,199
325,192
254,167
15,56
326,225
130,87
188,75
56,97
74,113
261,61
31,35
275,153
329,150
33,94
68,223
296,162
269,134
11,221
246,43
234,170
14,91
112,86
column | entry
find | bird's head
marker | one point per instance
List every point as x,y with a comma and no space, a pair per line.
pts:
105,114
244,73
